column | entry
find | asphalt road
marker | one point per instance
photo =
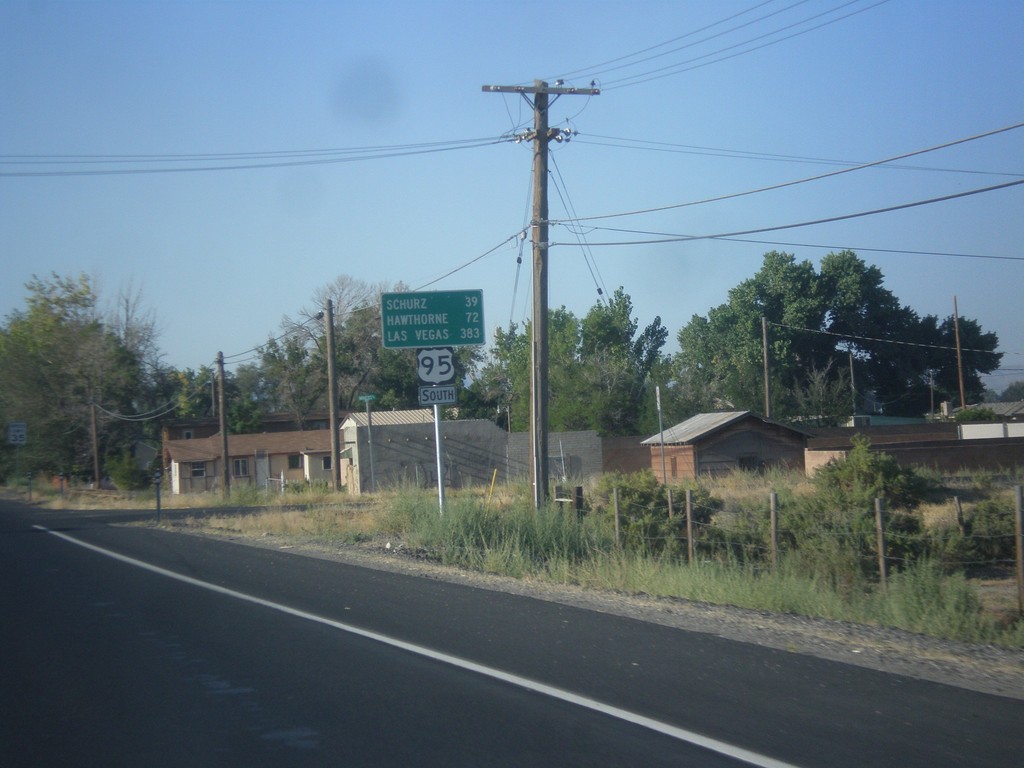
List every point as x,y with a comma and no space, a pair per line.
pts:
181,651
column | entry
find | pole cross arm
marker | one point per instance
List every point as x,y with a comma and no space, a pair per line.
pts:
543,88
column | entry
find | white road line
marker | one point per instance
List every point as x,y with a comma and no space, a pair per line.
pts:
682,734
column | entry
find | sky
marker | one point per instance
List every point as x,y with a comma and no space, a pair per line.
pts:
225,160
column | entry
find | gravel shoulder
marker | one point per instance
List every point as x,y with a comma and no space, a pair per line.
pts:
987,669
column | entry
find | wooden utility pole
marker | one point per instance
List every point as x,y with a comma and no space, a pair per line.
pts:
959,357
767,369
224,457
95,447
332,400
542,136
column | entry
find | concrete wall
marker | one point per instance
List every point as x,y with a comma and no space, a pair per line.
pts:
406,454
626,454
949,457
579,454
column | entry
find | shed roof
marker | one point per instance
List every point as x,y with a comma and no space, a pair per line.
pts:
1007,410
703,424
209,448
392,418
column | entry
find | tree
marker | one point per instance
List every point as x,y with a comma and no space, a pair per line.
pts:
816,322
60,367
1013,393
599,370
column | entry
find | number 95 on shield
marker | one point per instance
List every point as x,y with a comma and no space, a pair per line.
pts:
435,365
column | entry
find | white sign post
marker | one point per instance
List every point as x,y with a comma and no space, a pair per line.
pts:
455,318
435,367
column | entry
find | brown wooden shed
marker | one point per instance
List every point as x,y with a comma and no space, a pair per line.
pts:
719,442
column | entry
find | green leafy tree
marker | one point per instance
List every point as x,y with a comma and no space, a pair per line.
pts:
817,321
61,365
1013,393
599,370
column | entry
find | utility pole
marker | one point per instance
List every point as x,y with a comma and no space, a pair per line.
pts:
959,356
224,457
95,446
332,400
542,136
767,370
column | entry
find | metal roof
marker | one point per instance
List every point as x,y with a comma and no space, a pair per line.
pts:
1015,408
696,427
209,448
392,418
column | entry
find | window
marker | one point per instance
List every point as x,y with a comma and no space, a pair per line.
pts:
188,434
198,469
326,463
295,461
241,467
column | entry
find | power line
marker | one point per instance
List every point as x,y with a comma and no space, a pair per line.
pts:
822,246
851,337
468,263
691,149
309,158
596,69
878,250
679,68
588,257
782,185
828,220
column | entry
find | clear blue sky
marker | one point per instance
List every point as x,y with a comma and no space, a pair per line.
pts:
691,109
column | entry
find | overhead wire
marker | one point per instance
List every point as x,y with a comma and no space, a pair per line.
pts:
805,180
876,250
853,337
588,256
309,157
596,69
680,67
827,220
691,149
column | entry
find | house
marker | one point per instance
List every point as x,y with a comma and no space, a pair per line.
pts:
207,426
718,442
263,460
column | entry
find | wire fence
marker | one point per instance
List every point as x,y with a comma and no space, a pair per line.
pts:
700,529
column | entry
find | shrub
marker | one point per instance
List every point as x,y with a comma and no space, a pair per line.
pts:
989,530
855,482
125,473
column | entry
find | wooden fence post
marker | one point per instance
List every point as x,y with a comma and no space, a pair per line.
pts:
773,506
689,526
880,536
615,502
1019,526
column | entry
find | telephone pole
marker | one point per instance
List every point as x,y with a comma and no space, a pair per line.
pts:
542,135
332,400
224,455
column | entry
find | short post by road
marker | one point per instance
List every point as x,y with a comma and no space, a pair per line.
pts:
369,437
157,476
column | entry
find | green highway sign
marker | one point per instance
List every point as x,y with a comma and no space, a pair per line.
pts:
432,319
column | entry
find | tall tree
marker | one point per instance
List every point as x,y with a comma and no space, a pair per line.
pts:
599,370
61,366
817,322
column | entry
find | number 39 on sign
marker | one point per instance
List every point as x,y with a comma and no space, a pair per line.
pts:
436,365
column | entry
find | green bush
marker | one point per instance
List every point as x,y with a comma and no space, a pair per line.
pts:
853,483
989,530
125,473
